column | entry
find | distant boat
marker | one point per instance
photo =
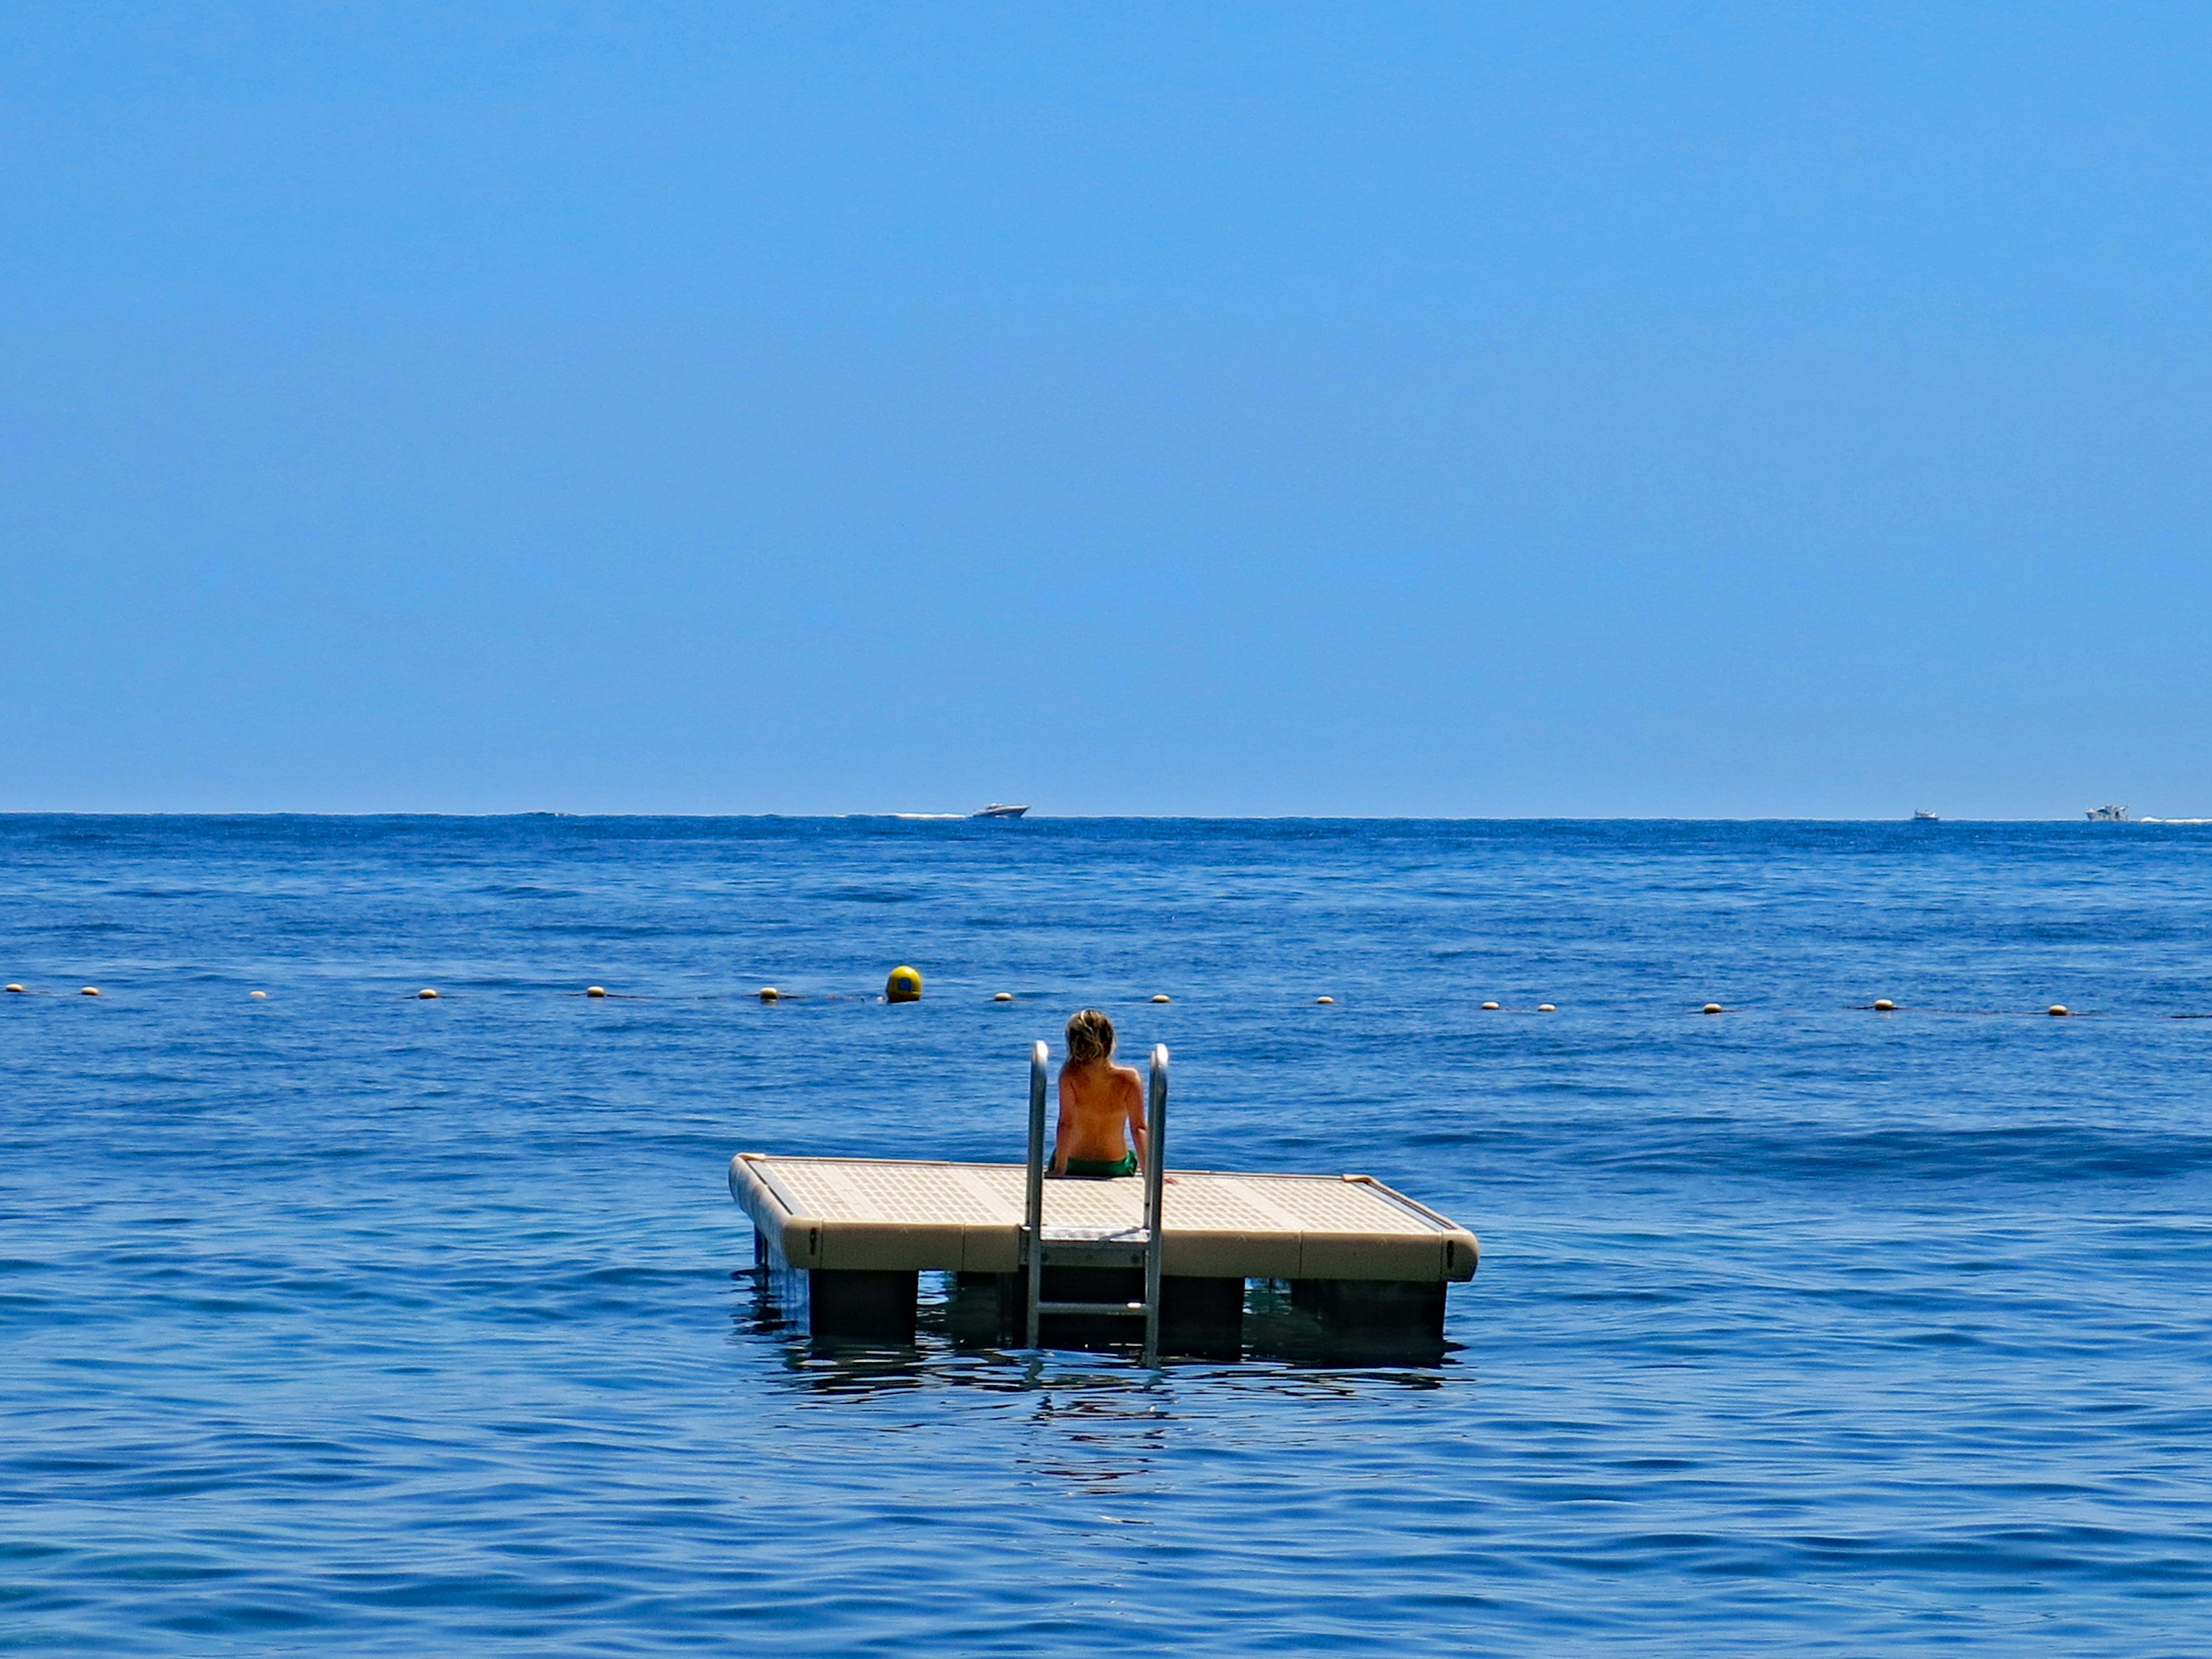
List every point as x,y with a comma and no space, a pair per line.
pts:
1921,815
2108,814
996,811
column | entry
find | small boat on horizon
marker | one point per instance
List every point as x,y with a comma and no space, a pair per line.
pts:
1921,815
2109,815
996,811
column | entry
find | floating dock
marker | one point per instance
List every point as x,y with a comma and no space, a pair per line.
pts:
853,1234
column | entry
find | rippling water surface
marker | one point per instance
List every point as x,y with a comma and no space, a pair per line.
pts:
343,1321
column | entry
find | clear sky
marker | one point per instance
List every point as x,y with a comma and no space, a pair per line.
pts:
1503,410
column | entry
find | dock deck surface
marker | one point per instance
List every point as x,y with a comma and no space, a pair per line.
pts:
877,1214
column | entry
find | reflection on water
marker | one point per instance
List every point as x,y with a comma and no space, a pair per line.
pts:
1100,1438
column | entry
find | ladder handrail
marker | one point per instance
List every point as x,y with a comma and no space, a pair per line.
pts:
1155,1166
1038,1055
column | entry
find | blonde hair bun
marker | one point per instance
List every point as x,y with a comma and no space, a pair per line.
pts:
1089,1038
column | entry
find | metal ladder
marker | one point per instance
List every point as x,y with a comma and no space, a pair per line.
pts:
1077,1248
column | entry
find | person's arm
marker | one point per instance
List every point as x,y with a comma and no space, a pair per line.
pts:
1058,1166
1132,1107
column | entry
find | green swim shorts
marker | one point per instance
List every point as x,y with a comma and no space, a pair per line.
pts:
1100,1168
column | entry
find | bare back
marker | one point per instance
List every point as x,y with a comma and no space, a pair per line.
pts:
1102,1114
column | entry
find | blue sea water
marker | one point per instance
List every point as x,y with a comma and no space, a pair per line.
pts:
342,1321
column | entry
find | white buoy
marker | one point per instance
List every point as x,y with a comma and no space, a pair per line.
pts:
1004,996
1164,997
1714,1008
595,990
89,991
1491,1007
1546,1008
2059,1009
258,996
17,990
426,994
1325,1002
769,993
1884,1006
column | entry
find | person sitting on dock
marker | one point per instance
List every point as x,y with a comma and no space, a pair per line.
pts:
1098,1101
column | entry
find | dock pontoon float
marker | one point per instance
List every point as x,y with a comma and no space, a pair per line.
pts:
1076,1263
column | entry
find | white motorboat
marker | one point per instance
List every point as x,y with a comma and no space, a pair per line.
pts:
996,811
2109,815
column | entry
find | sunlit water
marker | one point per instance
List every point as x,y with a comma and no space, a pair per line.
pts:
343,1321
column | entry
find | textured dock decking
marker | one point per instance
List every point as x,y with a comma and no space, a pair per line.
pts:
885,1214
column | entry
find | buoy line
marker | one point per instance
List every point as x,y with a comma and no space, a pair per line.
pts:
904,985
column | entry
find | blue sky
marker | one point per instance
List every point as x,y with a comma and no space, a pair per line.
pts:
1511,409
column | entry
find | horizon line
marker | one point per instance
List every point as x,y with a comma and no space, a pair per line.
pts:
1065,817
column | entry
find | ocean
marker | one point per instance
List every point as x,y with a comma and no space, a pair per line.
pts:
343,1321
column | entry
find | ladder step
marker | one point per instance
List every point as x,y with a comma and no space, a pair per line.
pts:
1125,1246
1119,1309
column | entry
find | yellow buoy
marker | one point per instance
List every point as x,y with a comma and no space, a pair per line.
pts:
17,990
427,995
1546,1008
769,993
1713,1008
1325,1001
258,996
595,990
1164,997
89,991
1492,1006
2059,1008
903,985
1004,996
1883,1005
